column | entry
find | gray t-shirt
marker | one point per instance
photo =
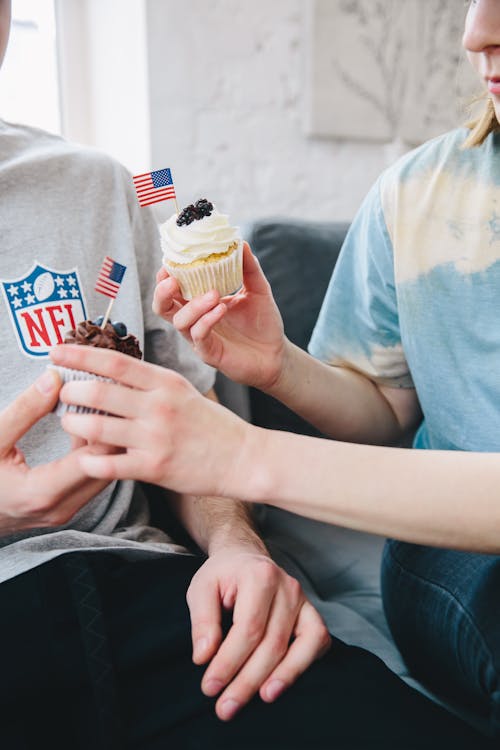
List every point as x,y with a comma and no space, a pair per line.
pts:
63,209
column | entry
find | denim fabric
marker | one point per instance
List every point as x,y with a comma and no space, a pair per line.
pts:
443,609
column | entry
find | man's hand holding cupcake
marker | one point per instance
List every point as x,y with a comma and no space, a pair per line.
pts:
47,495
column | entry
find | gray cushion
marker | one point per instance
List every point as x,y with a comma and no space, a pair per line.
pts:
298,258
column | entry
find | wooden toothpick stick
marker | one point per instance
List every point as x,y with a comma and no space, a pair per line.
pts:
107,313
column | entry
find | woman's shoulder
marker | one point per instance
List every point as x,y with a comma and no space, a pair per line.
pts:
432,155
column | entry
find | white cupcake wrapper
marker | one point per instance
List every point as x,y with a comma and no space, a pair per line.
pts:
67,375
224,274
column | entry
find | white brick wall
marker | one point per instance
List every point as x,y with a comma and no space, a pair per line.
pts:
227,80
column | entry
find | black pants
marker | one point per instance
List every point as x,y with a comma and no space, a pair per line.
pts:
95,652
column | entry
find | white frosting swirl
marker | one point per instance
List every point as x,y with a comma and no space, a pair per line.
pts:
201,238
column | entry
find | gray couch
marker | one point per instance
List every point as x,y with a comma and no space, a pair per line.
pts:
338,568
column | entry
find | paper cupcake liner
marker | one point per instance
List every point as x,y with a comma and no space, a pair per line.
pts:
67,375
224,274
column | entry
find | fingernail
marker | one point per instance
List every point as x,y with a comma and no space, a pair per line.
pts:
228,709
46,383
212,687
200,647
274,689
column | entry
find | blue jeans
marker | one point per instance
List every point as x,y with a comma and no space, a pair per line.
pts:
443,609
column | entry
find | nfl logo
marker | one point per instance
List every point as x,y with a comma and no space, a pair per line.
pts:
43,305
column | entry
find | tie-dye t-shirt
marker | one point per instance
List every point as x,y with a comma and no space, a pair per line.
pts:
415,297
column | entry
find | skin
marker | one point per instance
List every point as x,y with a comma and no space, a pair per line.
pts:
47,495
418,496
5,15
481,41
270,608
162,426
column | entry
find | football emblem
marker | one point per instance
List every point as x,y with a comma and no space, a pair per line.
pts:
43,304
43,286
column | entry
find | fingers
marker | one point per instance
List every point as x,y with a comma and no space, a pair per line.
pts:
253,275
161,274
203,327
96,428
128,465
254,601
249,624
167,298
205,609
111,364
54,492
275,664
29,407
191,312
106,397
312,641
256,655
59,476
259,664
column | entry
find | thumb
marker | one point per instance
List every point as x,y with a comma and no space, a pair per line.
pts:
253,275
29,407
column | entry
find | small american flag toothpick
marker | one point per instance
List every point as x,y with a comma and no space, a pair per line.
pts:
110,277
153,187
108,282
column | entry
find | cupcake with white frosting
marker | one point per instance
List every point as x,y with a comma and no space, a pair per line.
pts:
202,250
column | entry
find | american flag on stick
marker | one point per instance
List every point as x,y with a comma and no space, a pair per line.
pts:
153,187
110,277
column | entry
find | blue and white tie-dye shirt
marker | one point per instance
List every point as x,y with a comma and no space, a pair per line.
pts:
415,297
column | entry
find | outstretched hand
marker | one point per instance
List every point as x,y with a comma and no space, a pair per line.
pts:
242,335
275,636
169,433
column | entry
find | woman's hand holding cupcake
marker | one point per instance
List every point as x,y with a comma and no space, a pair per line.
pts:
242,336
165,429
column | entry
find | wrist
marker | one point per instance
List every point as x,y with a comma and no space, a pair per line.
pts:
253,474
237,536
283,381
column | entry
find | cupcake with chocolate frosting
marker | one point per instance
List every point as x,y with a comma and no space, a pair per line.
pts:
89,333
112,336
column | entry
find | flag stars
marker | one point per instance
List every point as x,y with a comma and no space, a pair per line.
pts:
26,287
62,293
13,290
74,292
17,302
71,280
59,281
30,299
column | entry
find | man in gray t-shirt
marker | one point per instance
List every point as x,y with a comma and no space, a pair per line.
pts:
63,208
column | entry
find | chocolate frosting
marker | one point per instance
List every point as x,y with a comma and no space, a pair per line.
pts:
90,334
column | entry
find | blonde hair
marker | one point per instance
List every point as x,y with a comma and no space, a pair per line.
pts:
482,126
